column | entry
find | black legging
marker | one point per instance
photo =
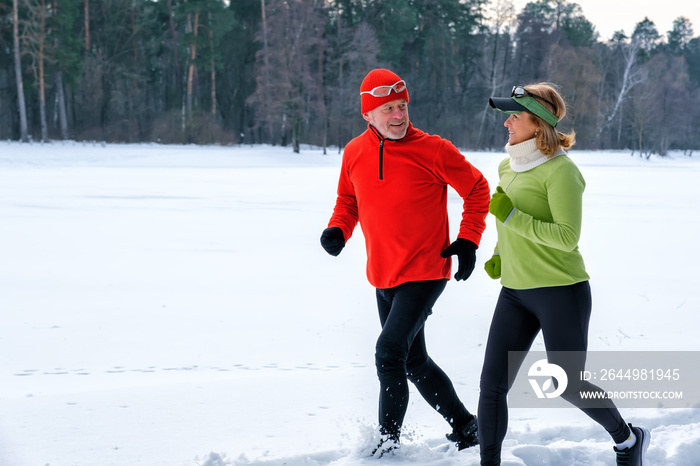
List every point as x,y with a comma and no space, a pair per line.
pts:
562,313
401,354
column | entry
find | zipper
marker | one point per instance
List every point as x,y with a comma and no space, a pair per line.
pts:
511,181
381,151
381,159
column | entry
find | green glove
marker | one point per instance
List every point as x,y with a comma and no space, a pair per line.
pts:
500,206
493,266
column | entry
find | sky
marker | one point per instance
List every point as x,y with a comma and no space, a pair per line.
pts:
610,16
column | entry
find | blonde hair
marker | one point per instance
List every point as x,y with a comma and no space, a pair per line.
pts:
548,139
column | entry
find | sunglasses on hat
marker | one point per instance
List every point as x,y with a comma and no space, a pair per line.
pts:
520,91
383,91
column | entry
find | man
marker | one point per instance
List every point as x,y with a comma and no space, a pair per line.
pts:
394,181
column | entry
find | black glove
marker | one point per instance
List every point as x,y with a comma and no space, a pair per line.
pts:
466,254
332,240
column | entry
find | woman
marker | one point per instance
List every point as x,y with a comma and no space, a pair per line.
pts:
538,207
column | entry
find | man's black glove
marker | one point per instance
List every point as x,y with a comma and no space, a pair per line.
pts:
332,240
466,254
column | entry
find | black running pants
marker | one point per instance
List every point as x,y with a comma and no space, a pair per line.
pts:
401,355
562,313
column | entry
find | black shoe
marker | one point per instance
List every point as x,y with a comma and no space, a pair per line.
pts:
466,436
634,455
387,443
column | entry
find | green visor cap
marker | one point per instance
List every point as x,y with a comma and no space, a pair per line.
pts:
525,103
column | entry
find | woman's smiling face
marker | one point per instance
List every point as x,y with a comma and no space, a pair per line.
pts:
521,127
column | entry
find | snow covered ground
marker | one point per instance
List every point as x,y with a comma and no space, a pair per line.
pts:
171,305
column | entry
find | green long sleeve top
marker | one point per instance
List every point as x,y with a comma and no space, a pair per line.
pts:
538,243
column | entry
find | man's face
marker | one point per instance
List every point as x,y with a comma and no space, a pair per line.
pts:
390,119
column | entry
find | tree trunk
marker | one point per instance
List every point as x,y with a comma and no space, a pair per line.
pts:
61,103
192,67
134,52
213,70
295,127
173,33
322,97
18,74
264,28
42,82
341,82
267,63
87,25
60,94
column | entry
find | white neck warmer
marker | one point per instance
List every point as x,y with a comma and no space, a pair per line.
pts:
526,156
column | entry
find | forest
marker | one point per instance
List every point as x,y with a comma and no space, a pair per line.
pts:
287,72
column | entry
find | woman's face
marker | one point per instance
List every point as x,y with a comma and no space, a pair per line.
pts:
521,127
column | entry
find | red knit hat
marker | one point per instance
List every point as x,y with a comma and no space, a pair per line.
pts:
380,77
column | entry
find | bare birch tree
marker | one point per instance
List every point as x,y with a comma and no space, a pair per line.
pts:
501,17
632,75
287,86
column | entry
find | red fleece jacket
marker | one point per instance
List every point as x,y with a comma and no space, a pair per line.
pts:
397,190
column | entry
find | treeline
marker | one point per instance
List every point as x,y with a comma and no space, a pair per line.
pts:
288,71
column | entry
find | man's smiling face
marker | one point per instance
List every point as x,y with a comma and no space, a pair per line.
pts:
390,119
